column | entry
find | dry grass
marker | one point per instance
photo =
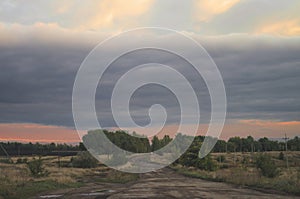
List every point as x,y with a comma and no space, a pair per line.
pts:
16,180
240,169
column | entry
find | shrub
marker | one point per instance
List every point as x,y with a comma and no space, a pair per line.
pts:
191,157
118,159
245,160
207,164
281,156
84,160
222,158
36,168
6,161
21,161
224,166
267,166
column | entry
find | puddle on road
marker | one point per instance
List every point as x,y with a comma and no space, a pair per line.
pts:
51,196
98,193
95,193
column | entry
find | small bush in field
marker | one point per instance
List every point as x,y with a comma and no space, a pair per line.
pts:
84,160
281,156
224,166
245,160
36,168
267,166
21,161
118,159
207,164
6,161
221,158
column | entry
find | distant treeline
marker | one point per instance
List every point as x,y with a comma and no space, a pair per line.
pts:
130,142
16,148
249,144
140,144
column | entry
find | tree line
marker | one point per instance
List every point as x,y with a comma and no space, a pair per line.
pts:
19,149
141,144
129,142
249,144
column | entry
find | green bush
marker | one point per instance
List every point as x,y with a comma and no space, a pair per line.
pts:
221,158
118,159
6,161
245,160
36,168
21,161
281,156
207,164
191,157
84,160
267,166
224,166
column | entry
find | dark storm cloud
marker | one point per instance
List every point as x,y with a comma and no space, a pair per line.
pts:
36,82
261,76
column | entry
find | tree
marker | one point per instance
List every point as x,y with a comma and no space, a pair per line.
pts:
236,142
81,147
266,165
36,168
248,144
220,146
281,156
190,157
165,141
206,163
155,144
294,144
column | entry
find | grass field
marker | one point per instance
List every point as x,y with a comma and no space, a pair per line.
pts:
240,169
16,180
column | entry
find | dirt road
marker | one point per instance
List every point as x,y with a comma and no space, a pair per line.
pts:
162,184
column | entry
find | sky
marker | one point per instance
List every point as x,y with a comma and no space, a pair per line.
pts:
254,43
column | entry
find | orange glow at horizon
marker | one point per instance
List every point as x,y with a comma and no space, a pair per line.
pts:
25,132
243,128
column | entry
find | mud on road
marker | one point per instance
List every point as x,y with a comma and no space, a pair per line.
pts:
164,183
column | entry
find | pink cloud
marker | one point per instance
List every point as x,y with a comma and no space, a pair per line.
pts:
24,132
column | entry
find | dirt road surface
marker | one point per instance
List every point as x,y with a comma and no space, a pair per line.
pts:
164,183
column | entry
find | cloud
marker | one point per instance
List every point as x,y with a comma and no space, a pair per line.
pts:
22,132
28,132
286,28
207,17
111,15
108,13
274,124
46,33
262,83
43,43
207,9
242,128
249,16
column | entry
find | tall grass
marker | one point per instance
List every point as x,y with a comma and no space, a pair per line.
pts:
268,173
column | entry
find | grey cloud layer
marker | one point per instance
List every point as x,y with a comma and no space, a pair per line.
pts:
261,76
